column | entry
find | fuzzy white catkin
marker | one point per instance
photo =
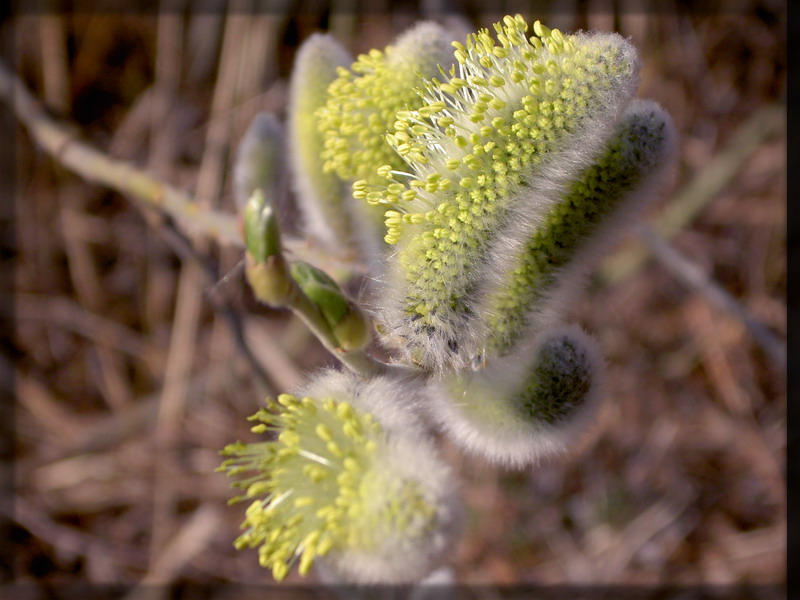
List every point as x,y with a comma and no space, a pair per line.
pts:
411,455
445,234
482,412
608,196
349,478
324,200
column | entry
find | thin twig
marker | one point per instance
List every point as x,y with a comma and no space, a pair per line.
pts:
700,190
91,164
172,406
693,276
71,541
184,248
193,537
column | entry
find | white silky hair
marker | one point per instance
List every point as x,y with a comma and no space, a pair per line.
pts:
409,454
528,207
259,163
512,441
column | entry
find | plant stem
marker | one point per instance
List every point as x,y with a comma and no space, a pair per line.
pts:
91,164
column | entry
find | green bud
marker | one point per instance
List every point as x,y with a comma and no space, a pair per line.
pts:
261,234
269,280
352,331
323,291
347,322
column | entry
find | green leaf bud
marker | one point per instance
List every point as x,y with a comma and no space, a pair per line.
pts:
261,232
347,321
265,267
269,280
352,332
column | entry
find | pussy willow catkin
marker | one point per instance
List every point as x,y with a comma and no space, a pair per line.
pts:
528,405
349,478
323,198
534,272
511,111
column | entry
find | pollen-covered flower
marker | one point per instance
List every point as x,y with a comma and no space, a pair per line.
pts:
512,111
362,103
349,478
525,406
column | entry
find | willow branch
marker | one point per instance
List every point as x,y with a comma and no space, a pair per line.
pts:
694,277
94,166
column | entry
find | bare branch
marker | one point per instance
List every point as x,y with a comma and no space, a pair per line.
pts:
91,164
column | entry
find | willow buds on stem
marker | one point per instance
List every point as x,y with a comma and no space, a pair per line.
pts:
346,320
528,405
265,267
257,181
259,163
347,478
512,110
499,180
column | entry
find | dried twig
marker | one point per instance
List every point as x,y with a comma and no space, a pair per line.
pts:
192,538
691,275
91,164
703,188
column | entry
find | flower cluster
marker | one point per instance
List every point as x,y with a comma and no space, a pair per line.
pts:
363,102
516,110
535,269
501,168
363,491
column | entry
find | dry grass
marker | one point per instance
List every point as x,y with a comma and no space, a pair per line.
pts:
128,382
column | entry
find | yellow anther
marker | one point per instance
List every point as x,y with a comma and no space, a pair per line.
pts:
323,432
287,400
289,438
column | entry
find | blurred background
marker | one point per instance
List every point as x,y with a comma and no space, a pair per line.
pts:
133,365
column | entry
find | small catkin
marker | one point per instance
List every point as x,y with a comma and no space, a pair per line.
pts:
533,274
346,477
322,197
525,406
